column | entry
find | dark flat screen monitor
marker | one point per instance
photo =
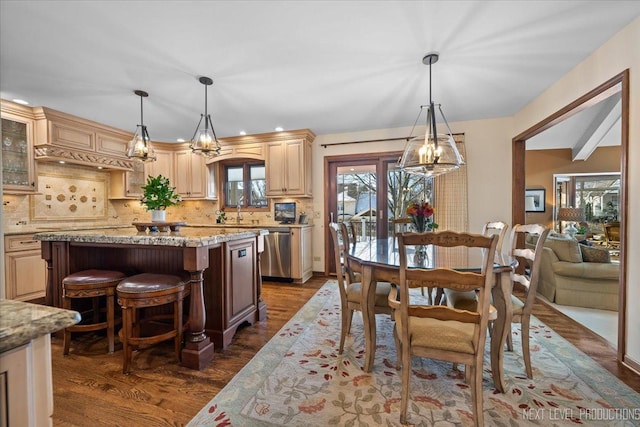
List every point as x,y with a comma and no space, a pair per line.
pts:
285,213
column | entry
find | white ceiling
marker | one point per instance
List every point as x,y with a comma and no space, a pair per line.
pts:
328,66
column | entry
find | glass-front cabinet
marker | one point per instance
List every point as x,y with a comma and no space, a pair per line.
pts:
18,167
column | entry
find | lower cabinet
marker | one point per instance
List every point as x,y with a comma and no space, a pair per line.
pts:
26,389
301,256
25,270
231,289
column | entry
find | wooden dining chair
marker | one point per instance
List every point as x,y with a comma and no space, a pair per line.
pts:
528,278
496,227
437,331
350,296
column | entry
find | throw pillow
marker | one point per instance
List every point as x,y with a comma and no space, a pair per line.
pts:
592,254
565,249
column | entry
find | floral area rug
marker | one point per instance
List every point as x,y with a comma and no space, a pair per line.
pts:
299,379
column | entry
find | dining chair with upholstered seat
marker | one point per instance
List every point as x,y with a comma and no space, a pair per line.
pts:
350,290
437,331
528,277
466,300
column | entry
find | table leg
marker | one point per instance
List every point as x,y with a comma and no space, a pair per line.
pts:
501,327
367,303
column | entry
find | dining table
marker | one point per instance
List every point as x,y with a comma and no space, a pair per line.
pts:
378,260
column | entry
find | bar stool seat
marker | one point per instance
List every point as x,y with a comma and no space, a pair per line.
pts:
150,290
92,284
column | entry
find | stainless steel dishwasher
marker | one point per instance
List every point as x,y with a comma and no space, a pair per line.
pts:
276,258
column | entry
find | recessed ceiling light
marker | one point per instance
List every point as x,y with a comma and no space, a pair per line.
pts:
180,139
20,101
279,129
243,133
61,161
99,167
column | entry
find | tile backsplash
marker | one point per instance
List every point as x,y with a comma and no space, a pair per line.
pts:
23,212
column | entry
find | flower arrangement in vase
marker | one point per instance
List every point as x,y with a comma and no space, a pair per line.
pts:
421,214
157,196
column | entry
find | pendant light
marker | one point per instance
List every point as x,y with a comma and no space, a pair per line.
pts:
434,153
204,141
140,146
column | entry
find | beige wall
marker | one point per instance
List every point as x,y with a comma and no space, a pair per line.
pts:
488,146
541,165
489,155
621,52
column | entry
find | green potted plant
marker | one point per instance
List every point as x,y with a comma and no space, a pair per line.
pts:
158,195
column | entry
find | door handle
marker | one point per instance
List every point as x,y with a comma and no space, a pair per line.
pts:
331,217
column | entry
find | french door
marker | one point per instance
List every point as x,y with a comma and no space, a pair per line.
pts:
368,191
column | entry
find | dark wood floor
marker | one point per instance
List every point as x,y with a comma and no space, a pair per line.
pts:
90,389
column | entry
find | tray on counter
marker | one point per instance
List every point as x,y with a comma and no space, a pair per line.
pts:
159,226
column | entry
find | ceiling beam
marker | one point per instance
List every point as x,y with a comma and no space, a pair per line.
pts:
597,132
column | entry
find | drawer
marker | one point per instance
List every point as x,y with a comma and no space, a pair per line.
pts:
20,242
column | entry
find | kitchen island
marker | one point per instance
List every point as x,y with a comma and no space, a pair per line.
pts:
223,265
25,361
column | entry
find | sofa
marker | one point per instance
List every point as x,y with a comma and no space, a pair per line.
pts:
576,274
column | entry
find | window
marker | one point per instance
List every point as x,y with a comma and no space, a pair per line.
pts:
597,194
245,184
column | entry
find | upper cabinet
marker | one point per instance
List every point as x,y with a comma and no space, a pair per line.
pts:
128,184
187,172
63,137
288,167
163,165
18,167
191,174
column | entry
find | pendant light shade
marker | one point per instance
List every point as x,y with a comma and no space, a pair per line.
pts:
204,141
140,147
433,153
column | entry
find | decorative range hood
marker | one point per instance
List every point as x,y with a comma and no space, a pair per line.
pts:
61,137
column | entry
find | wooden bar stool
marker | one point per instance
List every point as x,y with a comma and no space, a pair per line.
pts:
150,290
92,284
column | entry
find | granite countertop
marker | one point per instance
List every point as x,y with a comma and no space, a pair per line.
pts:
22,322
186,236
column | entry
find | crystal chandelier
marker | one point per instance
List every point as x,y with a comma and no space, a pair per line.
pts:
140,147
433,153
204,141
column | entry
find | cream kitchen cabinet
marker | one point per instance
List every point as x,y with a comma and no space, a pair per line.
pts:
288,167
187,172
18,166
191,175
25,270
301,256
127,184
163,165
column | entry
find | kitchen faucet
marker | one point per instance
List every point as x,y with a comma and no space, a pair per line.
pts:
239,206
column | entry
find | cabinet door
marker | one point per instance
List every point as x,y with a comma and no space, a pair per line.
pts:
134,180
191,177
294,167
18,166
242,280
288,167
275,166
26,275
162,166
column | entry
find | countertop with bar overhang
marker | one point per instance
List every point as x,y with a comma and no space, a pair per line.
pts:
186,236
21,322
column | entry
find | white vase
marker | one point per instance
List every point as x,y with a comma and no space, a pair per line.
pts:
158,216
